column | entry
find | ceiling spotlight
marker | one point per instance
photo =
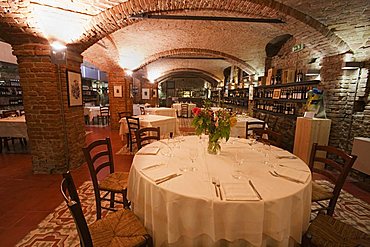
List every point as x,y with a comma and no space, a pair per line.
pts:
58,46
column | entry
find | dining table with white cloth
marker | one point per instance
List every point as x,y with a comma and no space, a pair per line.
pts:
13,127
177,106
163,111
166,124
92,111
239,129
179,207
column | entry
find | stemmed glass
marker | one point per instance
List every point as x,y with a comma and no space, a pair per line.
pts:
238,163
193,155
252,140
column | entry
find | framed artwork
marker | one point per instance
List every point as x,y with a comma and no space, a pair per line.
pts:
117,91
154,93
276,93
145,93
74,88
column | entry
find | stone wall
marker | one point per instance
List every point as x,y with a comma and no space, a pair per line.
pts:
339,93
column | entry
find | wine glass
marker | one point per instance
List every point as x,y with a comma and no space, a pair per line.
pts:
238,163
193,155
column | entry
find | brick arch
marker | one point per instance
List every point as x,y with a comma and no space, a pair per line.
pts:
201,52
211,78
116,18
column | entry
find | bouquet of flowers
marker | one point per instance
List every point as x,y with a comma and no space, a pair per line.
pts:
217,124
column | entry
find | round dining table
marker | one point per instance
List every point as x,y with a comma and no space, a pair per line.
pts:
250,194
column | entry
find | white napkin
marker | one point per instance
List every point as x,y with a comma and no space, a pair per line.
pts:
298,175
239,192
283,154
148,151
157,174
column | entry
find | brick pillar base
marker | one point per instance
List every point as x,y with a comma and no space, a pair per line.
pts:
117,77
56,132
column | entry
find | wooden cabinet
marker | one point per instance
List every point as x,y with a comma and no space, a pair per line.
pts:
309,131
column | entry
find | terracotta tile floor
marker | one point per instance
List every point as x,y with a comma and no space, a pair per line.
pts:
26,199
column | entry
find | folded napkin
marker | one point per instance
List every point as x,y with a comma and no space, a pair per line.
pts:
294,174
282,154
160,174
239,192
148,151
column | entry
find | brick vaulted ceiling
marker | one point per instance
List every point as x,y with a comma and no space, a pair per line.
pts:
105,33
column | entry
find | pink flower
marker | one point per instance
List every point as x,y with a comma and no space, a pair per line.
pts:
196,111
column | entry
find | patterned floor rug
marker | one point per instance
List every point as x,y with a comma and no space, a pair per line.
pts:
58,228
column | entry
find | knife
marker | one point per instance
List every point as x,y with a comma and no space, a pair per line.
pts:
255,190
164,179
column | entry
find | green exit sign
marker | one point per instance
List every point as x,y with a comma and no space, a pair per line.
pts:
297,47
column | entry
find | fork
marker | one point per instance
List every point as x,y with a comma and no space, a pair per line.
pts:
215,184
219,187
285,177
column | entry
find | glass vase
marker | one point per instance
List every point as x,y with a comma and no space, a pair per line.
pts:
214,147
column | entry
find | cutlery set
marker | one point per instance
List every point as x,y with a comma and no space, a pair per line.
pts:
216,183
164,179
275,174
255,190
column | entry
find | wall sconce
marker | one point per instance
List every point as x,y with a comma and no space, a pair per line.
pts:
353,65
58,53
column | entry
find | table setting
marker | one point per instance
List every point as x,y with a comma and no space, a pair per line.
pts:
267,203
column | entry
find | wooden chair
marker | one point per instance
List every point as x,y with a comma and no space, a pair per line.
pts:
124,114
142,110
104,115
144,136
184,110
252,126
122,227
99,157
133,124
269,136
324,230
337,165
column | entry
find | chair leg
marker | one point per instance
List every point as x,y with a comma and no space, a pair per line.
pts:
98,208
127,140
1,145
126,203
112,196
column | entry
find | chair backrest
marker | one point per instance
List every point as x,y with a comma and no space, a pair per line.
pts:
69,193
254,125
338,162
142,110
269,136
133,124
144,136
123,114
104,111
184,109
98,155
10,113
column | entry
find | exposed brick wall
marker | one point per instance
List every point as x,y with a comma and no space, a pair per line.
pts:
42,104
339,88
117,77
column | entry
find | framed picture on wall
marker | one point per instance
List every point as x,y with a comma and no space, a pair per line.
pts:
145,93
117,91
74,88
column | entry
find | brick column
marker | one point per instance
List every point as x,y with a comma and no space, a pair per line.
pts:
56,131
117,77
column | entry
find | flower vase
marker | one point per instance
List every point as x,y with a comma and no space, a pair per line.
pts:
214,147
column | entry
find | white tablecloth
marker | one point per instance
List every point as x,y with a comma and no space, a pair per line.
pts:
163,111
177,106
185,211
13,127
239,129
167,124
92,111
